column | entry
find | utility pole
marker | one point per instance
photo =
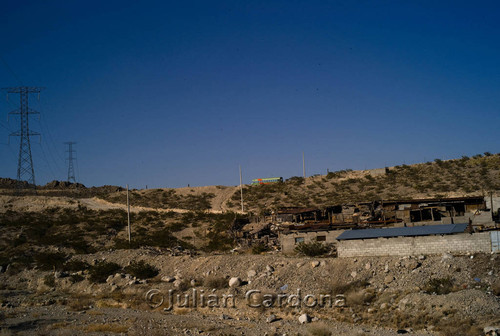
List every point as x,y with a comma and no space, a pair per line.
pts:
303,165
128,217
241,191
71,169
25,170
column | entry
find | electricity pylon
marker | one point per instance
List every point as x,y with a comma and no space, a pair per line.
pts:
71,169
25,170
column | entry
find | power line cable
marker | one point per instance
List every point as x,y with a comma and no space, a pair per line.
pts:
11,70
47,161
54,160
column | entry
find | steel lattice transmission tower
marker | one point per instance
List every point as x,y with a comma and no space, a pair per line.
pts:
71,169
25,170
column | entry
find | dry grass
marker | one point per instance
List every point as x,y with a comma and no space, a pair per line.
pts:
59,325
181,311
114,328
214,282
465,327
80,303
319,329
359,297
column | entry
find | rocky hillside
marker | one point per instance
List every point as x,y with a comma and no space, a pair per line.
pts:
477,175
105,293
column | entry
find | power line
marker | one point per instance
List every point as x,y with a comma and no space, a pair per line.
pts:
57,163
25,160
47,161
10,70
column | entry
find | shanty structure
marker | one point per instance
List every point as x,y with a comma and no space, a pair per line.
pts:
404,241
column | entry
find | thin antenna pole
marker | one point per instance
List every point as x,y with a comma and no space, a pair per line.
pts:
241,191
128,215
303,165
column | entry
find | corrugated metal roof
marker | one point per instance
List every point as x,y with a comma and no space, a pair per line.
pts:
403,231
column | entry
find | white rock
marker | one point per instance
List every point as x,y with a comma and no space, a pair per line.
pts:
271,318
167,279
368,266
314,263
446,256
491,330
251,273
234,282
354,274
269,268
304,318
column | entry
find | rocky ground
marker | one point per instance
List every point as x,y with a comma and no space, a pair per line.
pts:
382,296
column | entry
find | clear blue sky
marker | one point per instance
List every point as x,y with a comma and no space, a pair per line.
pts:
170,93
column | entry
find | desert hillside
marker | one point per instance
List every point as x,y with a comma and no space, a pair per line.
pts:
67,266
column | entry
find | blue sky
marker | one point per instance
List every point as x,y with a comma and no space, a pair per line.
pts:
171,93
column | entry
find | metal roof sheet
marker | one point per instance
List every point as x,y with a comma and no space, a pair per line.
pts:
403,231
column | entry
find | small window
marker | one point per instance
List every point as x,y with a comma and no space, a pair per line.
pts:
299,240
321,238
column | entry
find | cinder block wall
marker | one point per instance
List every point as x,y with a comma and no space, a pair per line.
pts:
404,246
288,240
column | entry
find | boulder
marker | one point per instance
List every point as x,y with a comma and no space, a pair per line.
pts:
251,274
167,279
234,282
304,318
388,279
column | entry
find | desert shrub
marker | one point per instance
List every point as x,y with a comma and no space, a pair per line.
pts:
359,297
218,242
184,285
312,249
319,330
141,270
75,265
296,180
50,260
337,286
100,272
49,280
495,288
456,326
439,286
259,248
214,282
80,303
74,278
177,226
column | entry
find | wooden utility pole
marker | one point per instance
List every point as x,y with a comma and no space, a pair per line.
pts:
128,215
303,165
241,191
491,205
